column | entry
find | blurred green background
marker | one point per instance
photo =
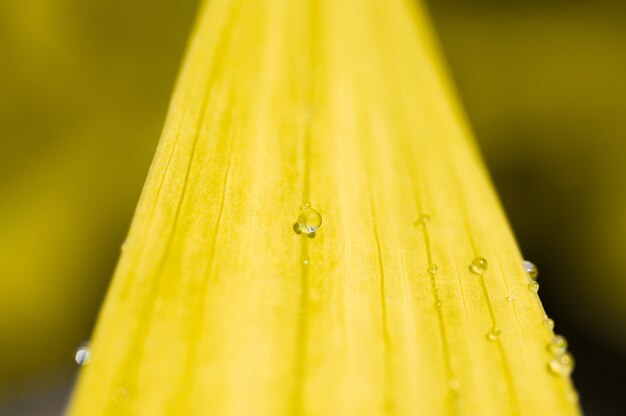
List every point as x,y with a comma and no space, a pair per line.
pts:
84,88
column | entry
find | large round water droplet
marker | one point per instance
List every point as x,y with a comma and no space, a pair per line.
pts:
531,269
83,355
478,266
309,220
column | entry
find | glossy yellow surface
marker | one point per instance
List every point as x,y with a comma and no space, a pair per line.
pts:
218,308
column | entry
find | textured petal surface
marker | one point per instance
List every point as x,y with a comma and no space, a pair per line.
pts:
218,308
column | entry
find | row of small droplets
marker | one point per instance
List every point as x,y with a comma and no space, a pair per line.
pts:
308,222
454,385
562,362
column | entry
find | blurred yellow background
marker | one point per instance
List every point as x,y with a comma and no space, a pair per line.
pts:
84,88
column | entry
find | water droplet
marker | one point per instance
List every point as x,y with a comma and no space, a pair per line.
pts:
432,269
558,345
572,396
562,365
533,287
478,266
306,262
511,297
309,220
531,269
306,205
549,323
494,334
83,355
120,395
438,304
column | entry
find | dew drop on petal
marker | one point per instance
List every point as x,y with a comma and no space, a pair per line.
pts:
562,365
531,269
478,266
309,220
432,269
83,355
549,323
533,287
558,345
494,334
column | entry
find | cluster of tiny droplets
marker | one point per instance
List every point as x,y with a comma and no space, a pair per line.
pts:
309,220
562,362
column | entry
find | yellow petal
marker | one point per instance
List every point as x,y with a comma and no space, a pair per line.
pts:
218,307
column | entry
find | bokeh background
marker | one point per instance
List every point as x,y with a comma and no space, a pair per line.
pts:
84,89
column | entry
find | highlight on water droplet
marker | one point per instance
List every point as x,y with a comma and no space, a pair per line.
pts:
494,334
531,269
533,287
432,269
306,262
309,220
438,304
558,345
549,323
510,297
562,365
83,355
478,266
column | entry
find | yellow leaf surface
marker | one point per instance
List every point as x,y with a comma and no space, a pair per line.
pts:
218,308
